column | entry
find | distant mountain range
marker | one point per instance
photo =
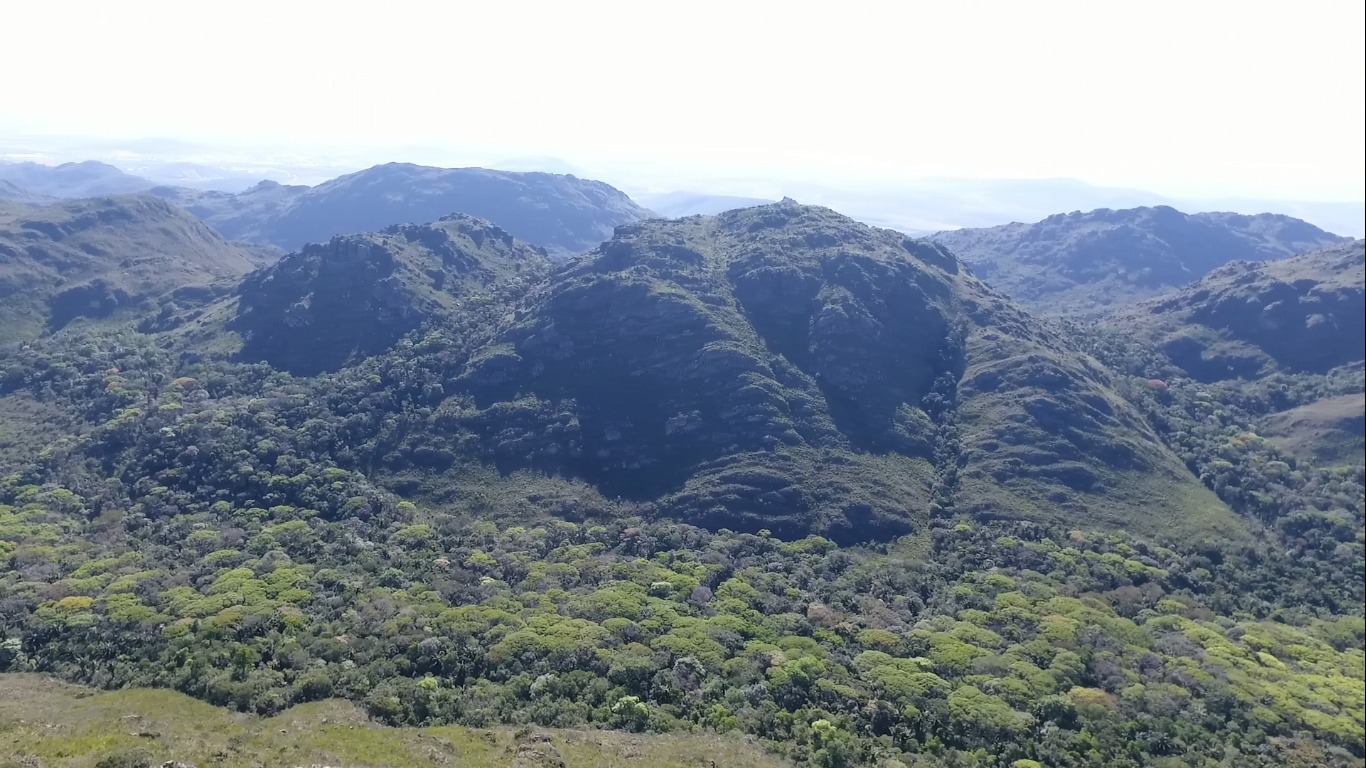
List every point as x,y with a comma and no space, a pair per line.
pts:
563,214
1091,262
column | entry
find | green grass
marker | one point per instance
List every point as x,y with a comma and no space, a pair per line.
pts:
57,724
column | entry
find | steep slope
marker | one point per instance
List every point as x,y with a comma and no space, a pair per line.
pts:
356,295
72,180
1086,262
1305,314
785,367
92,257
563,214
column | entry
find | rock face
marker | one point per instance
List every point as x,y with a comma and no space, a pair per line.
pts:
330,304
93,257
785,367
1305,314
1088,262
565,215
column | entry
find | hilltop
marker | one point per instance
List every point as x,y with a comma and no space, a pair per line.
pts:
1095,261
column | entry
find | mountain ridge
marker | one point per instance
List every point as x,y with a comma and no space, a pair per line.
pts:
562,213
1085,262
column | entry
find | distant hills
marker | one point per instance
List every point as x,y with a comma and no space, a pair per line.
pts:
1246,319
68,180
94,257
563,214
1089,262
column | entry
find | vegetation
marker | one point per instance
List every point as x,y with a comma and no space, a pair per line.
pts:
415,534
67,726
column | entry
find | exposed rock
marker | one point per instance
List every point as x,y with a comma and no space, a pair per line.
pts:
537,751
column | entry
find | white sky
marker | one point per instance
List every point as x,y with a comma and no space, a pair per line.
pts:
1204,97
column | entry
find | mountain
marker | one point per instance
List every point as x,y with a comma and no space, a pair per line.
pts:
96,256
1304,314
819,376
563,214
72,180
332,304
1086,262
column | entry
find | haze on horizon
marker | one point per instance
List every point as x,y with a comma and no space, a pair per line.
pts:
1215,99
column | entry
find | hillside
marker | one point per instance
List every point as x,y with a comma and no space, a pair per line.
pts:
821,376
563,214
94,257
1304,314
1092,262
357,295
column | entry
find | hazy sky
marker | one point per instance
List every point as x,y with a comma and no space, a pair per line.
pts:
1250,97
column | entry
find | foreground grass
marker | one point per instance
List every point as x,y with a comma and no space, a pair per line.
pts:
48,723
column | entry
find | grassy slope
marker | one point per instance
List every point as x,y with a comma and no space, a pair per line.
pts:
1328,431
67,725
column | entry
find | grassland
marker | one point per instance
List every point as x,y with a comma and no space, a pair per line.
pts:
48,723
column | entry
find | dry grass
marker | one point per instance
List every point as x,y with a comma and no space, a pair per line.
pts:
48,723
